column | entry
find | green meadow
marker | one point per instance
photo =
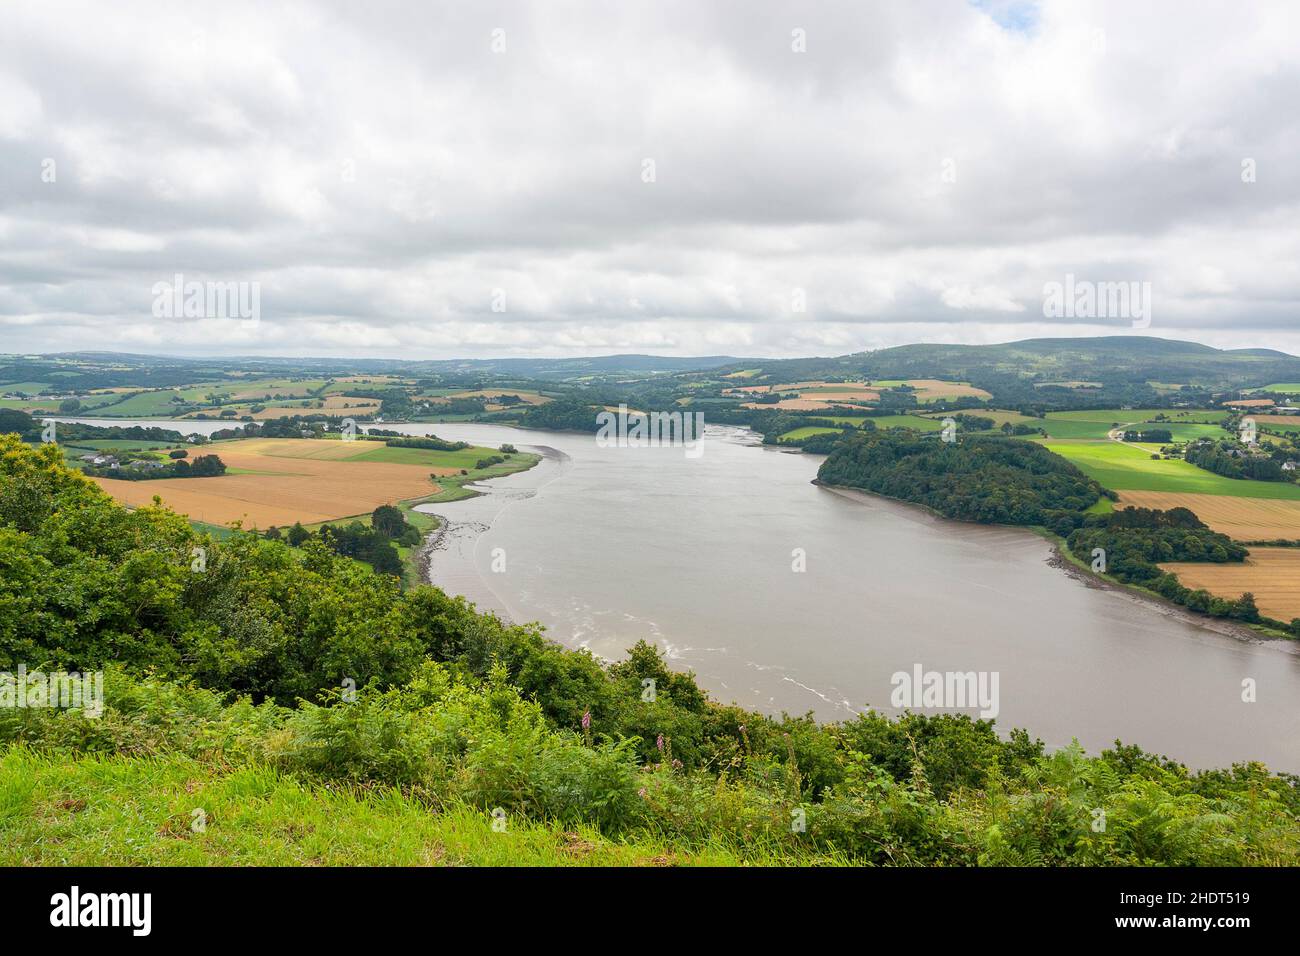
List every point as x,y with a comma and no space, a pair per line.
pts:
909,421
1000,416
97,810
1124,415
465,458
801,433
1096,423
1123,467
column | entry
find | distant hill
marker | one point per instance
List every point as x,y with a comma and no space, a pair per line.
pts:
1117,368
1045,372
111,369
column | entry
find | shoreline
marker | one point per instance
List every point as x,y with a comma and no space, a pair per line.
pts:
434,540
1062,560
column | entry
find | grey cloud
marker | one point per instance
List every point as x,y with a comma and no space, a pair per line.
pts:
213,141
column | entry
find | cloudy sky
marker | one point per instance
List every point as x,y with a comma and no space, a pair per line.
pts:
747,178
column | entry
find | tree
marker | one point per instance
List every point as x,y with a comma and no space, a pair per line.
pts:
273,533
177,453
207,466
69,405
297,534
13,420
388,521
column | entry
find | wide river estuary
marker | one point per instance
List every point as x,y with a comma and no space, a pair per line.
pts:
608,546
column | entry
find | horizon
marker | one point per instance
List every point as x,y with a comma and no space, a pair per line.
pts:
597,355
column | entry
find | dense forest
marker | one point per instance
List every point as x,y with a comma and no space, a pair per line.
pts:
315,668
991,480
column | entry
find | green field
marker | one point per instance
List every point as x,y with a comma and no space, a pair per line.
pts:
1096,423
1286,388
1130,468
465,458
122,444
96,810
908,421
1284,427
142,405
1186,432
1123,415
27,404
999,416
801,433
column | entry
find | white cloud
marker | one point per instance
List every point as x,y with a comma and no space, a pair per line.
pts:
919,173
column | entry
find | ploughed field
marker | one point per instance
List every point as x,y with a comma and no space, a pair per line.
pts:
277,481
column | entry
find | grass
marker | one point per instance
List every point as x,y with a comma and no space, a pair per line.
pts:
1123,467
124,444
1285,428
908,421
144,405
805,432
465,458
1124,415
117,811
1286,388
453,486
1096,423
1058,428
1188,431
999,416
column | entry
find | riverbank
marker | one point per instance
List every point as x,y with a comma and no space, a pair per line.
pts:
1064,560
443,524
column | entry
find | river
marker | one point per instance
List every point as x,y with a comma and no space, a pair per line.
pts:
698,555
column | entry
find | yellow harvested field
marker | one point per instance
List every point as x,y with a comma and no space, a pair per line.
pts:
933,388
324,449
847,387
1251,403
813,405
1242,519
1279,420
286,488
528,398
804,386
1271,574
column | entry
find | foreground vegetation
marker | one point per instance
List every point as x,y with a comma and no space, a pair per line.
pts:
314,711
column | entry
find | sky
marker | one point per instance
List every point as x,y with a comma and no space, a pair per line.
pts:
738,177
